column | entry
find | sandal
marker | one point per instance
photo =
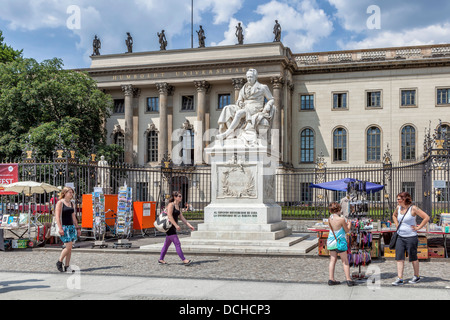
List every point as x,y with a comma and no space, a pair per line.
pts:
187,263
162,262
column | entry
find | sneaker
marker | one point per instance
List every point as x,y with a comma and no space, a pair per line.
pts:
415,279
59,266
333,283
68,269
398,282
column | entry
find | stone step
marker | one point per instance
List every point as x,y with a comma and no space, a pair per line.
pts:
270,227
284,242
241,235
307,243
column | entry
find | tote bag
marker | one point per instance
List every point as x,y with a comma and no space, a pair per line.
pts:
162,222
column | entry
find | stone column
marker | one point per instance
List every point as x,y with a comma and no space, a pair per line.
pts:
128,91
136,95
165,90
288,133
238,83
199,127
276,133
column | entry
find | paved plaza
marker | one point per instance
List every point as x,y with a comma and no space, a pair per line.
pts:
132,274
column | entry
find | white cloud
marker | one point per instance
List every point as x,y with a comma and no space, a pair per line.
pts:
434,34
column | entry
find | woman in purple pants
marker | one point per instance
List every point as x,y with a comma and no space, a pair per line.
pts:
174,212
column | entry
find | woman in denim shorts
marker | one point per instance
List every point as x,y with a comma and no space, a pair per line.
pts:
407,239
68,226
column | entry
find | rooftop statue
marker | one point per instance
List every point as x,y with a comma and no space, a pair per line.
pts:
129,43
97,45
201,37
277,31
162,40
250,118
240,34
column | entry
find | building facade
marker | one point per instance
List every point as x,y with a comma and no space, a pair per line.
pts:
348,106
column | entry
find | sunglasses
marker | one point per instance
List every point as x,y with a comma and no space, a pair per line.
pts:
179,196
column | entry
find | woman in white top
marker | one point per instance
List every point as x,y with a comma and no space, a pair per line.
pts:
407,240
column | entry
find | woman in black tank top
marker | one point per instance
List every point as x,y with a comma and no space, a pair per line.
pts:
68,226
174,212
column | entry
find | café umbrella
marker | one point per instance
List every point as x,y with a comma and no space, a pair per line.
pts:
29,188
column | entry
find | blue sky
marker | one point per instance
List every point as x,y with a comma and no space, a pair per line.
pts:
65,28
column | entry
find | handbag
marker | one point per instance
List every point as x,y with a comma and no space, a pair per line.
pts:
393,241
162,222
54,229
341,243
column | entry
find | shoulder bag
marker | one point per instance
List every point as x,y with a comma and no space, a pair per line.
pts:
162,222
54,229
393,241
341,243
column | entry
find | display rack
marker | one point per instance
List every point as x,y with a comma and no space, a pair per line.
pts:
99,224
124,222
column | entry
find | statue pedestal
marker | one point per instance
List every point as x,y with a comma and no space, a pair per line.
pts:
243,203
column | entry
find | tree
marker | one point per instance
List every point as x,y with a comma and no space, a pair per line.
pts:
40,102
8,54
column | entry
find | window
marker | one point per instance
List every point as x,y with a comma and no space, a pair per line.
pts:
153,104
443,96
224,100
142,191
408,98
152,146
339,101
374,99
119,105
306,193
307,146
307,102
373,144
187,103
187,151
409,187
408,143
340,144
443,131
119,139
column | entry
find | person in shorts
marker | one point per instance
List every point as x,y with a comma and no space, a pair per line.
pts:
340,227
407,239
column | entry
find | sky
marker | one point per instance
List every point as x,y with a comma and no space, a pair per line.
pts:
45,29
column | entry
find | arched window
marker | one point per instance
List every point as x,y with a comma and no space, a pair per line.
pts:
373,144
152,146
307,145
340,144
408,143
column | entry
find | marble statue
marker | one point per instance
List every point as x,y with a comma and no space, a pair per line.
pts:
103,174
250,118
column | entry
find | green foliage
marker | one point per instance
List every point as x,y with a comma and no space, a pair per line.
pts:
40,101
8,54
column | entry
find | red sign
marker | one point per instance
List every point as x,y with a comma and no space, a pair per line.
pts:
9,173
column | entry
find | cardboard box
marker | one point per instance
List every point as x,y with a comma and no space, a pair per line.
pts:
436,252
422,253
423,242
389,253
323,247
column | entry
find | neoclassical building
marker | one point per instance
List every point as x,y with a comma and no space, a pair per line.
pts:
350,106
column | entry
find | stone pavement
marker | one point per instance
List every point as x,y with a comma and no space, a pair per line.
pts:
135,274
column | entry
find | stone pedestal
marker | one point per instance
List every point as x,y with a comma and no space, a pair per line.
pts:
243,203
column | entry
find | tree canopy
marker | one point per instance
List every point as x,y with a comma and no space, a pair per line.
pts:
7,53
40,102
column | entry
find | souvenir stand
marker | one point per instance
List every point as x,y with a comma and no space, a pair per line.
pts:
99,222
124,222
363,244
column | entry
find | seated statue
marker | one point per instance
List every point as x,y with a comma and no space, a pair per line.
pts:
248,119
